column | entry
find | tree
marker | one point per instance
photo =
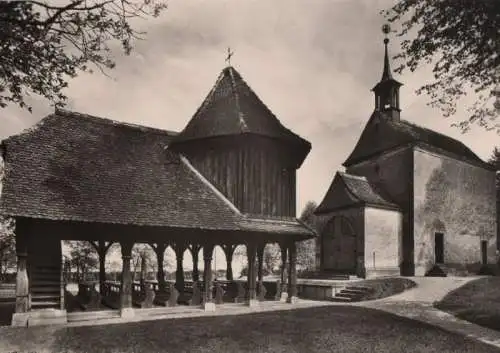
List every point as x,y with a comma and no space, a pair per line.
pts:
83,258
306,250
143,259
44,43
7,246
495,161
272,258
460,38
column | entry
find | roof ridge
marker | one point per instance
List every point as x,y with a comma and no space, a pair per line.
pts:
404,121
74,114
234,88
207,97
207,183
346,185
353,176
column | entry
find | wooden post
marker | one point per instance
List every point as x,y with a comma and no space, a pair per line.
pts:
126,281
283,276
208,304
63,285
160,275
252,297
195,251
229,251
292,273
260,258
22,283
179,272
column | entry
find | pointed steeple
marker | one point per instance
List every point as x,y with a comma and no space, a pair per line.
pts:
231,109
386,75
387,90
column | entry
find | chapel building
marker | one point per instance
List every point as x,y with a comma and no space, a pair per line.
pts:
410,199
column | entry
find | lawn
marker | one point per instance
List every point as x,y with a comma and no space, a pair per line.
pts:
321,329
477,301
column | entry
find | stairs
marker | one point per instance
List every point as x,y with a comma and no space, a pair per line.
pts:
351,294
45,287
327,275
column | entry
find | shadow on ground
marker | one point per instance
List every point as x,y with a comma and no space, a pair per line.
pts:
320,329
6,311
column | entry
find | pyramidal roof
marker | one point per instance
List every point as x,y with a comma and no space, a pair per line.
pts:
233,108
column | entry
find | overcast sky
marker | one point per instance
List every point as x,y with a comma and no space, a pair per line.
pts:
312,62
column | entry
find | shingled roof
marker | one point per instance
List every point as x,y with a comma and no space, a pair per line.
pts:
78,167
382,133
233,108
349,190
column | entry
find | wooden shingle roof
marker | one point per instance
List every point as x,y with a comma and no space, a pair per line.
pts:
77,167
233,108
349,190
382,134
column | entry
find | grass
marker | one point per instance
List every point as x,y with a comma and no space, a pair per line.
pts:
323,329
385,287
477,301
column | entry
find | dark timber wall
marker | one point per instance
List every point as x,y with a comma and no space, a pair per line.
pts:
256,173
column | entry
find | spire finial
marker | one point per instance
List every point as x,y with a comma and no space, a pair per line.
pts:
386,75
229,55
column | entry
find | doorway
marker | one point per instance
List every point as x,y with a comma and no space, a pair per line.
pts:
439,247
484,252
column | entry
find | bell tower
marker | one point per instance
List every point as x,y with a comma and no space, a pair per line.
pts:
387,90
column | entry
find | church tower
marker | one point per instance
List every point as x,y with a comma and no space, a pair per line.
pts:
240,147
387,90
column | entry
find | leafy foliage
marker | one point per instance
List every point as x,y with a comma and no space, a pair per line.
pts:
495,161
83,258
7,245
460,38
306,250
44,43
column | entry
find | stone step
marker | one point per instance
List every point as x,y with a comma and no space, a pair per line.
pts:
44,282
93,315
45,289
353,291
356,287
44,304
341,298
38,297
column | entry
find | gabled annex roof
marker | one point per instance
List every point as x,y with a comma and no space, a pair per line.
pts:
382,133
78,167
233,108
349,190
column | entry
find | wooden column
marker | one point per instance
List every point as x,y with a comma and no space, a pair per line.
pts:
179,272
62,280
195,251
260,259
283,269
251,252
292,273
102,249
160,275
22,283
126,281
229,252
208,303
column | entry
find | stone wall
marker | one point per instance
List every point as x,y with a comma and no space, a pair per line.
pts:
392,172
383,242
458,200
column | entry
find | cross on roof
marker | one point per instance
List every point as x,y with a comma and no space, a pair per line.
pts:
229,55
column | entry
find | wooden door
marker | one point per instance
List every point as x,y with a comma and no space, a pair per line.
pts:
439,247
484,252
328,246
